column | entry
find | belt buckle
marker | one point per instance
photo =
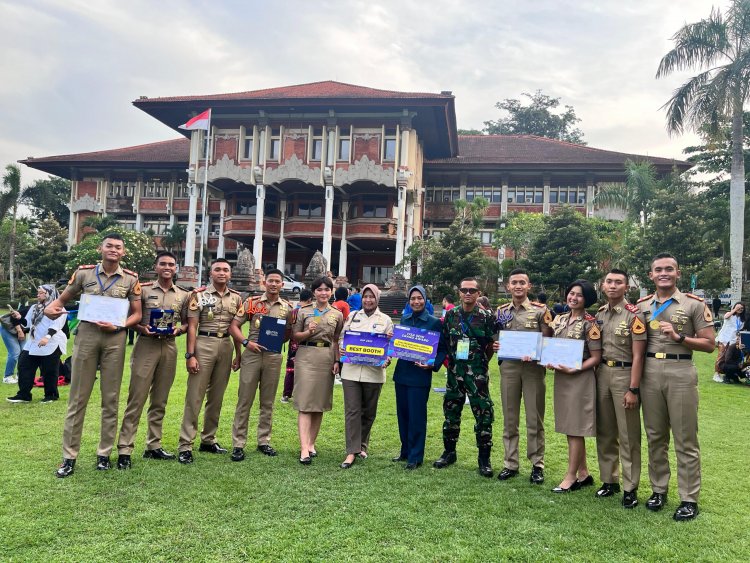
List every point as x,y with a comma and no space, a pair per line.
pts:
319,344
611,364
220,335
660,355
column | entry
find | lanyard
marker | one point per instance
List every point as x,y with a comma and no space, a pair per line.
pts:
101,285
317,313
738,322
663,306
466,326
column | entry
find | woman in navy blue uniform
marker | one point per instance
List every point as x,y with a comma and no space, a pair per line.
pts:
413,382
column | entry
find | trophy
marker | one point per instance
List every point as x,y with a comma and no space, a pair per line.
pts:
162,321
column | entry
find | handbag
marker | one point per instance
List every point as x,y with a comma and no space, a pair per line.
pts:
7,323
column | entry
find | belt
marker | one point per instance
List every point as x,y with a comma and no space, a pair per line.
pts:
214,334
663,356
316,344
613,364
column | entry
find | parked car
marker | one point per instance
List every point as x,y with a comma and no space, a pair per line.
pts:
292,286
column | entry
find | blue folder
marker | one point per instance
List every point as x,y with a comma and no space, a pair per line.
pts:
271,335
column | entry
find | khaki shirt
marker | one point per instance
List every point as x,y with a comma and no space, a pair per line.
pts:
582,328
223,306
529,317
620,326
92,280
255,308
687,313
154,298
329,324
358,321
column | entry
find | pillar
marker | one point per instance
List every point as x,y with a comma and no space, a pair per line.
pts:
409,235
281,251
260,206
343,250
400,224
504,197
589,196
328,226
545,200
222,213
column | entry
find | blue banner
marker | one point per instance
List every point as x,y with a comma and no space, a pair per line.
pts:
365,348
414,344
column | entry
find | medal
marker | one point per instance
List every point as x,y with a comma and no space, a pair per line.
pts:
257,323
654,324
210,314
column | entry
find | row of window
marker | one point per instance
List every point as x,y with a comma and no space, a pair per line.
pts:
367,208
156,189
520,195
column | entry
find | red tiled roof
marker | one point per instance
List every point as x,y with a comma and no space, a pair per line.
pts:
176,150
324,89
529,149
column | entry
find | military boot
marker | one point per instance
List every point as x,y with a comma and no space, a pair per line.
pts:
448,456
485,467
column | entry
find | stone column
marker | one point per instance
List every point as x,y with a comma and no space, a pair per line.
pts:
343,249
504,197
400,224
545,201
72,216
137,203
222,213
260,207
328,226
589,196
281,251
409,233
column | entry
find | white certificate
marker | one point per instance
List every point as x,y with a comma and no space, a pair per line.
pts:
566,352
519,344
100,308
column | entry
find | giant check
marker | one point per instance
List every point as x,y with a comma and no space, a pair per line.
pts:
565,352
365,348
519,344
414,344
100,308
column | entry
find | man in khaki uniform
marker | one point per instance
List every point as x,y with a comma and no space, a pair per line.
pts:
153,361
678,324
209,359
523,378
260,368
618,381
98,345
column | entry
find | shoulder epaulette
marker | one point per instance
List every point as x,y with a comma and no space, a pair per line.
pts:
183,288
631,308
199,289
131,272
692,296
287,303
505,305
147,284
87,267
602,308
233,290
588,317
537,303
645,298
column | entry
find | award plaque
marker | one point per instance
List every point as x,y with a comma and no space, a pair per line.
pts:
162,321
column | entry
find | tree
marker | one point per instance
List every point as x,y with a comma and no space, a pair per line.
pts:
9,201
49,198
173,238
139,250
469,132
456,254
720,44
536,119
517,233
635,195
45,258
100,223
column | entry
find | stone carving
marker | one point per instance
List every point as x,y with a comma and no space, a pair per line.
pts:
86,203
245,263
226,168
367,136
317,267
293,168
244,274
364,169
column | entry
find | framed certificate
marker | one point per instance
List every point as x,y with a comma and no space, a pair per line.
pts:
414,344
566,352
519,344
100,308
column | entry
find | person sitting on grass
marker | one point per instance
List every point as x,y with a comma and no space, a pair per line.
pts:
734,362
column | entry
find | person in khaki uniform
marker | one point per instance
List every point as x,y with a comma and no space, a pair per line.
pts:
99,345
362,384
260,368
677,324
153,362
618,379
523,378
209,359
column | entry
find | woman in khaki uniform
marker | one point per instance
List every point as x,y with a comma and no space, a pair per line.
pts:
317,331
575,390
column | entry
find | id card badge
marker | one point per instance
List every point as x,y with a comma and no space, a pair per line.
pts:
462,350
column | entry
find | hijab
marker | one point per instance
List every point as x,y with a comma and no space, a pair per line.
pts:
38,310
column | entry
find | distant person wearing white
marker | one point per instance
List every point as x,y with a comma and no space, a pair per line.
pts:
734,321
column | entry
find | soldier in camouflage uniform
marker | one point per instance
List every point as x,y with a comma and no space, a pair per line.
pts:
468,331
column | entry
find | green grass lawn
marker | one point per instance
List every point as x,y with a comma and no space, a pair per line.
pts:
274,508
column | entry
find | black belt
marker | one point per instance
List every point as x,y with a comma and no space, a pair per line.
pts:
316,344
613,364
663,356
214,334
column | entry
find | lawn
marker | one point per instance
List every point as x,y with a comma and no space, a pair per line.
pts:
274,508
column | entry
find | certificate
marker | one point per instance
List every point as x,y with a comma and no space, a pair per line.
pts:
519,344
414,344
566,352
365,348
100,308
271,333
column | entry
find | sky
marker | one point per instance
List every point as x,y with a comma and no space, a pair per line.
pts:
72,68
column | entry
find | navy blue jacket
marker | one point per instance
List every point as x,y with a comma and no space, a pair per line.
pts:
408,373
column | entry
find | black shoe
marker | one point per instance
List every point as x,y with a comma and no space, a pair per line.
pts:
238,454
656,502
446,459
212,448
158,453
686,511
66,468
313,454
630,499
398,458
123,462
185,457
103,463
587,482
412,466
574,487
49,400
347,465
18,399
506,474
483,461
265,449
305,460
608,490
537,475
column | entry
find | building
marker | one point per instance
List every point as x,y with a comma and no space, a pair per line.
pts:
355,172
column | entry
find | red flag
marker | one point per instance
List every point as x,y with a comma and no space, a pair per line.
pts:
200,121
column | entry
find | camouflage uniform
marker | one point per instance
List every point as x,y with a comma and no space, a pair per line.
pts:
468,377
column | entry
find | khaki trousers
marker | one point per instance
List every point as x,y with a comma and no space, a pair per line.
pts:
669,391
618,430
258,370
516,379
360,410
94,348
215,362
153,364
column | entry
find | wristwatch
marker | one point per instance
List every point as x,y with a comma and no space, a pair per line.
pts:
682,338
635,390
245,342
189,355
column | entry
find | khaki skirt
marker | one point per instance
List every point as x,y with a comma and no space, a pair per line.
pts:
313,380
575,403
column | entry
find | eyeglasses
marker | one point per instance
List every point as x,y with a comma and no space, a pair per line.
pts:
471,290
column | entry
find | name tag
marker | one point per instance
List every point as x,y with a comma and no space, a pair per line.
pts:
462,350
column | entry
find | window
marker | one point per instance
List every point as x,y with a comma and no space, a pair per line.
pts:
182,190
443,195
246,208
485,237
121,189
317,149
247,152
491,194
571,195
389,149
155,189
376,274
370,210
274,149
525,195
309,209
344,145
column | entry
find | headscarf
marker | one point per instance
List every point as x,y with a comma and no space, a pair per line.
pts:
375,291
38,310
408,312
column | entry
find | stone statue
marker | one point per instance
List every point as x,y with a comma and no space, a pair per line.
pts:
244,275
317,267
245,266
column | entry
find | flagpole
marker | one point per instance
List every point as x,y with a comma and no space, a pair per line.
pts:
205,199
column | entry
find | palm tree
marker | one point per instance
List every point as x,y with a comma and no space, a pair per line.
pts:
634,195
721,45
99,223
9,201
173,238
